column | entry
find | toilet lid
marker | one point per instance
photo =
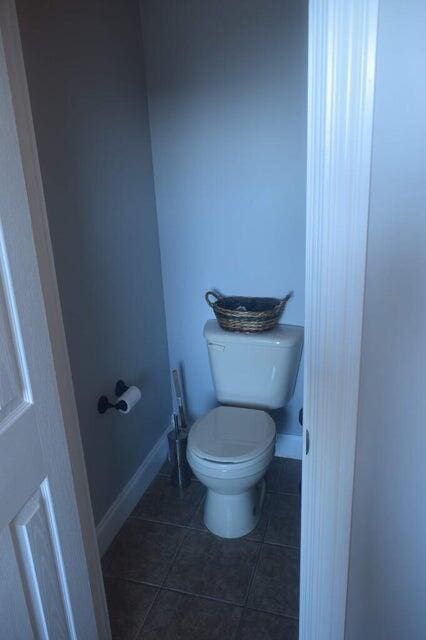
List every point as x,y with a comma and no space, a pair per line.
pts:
231,434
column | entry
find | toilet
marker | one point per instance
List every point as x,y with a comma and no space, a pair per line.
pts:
230,447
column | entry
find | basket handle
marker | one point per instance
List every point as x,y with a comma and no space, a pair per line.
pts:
286,299
209,302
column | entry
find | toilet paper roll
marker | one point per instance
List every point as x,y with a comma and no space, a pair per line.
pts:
129,398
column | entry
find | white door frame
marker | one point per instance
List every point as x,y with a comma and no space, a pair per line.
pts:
342,47
32,174
342,44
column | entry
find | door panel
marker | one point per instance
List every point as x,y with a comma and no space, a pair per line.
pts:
22,467
15,393
40,559
14,618
47,593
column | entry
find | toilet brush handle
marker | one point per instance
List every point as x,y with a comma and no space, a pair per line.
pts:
176,426
179,397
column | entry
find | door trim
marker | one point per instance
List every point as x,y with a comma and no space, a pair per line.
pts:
37,207
342,47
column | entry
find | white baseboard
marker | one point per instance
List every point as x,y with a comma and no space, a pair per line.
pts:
289,446
126,501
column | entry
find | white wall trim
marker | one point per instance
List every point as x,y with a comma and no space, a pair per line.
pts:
128,498
342,45
289,446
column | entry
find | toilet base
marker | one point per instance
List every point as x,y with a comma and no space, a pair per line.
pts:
234,515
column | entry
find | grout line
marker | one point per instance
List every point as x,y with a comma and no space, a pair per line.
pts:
179,547
134,581
199,503
145,584
166,522
252,577
175,524
230,603
283,493
250,583
273,613
253,573
268,518
280,546
160,588
190,527
154,600
246,605
202,596
240,622
261,543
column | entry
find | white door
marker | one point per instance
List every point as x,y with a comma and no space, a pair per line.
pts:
44,580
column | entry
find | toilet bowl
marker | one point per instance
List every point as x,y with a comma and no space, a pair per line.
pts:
229,451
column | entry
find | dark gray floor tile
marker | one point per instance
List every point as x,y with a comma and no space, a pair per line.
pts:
284,519
143,551
210,566
165,469
164,503
256,535
284,476
257,625
176,616
275,587
197,521
128,604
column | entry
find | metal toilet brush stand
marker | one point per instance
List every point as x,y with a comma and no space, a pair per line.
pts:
181,472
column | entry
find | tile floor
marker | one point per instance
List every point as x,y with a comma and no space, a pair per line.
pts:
167,577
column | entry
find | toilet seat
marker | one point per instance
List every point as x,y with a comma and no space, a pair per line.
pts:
231,435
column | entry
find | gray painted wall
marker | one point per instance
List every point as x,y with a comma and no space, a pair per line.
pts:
84,63
387,580
227,101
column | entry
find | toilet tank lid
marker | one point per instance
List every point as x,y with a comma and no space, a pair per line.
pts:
283,335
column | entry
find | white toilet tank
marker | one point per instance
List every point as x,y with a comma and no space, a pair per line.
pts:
254,369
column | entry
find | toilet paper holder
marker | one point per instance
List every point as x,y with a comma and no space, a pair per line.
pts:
104,404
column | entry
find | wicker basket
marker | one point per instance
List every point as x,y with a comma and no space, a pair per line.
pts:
246,314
